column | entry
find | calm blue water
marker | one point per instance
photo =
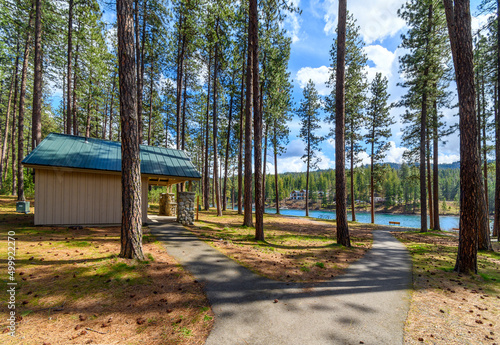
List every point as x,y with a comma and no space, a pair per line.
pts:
406,220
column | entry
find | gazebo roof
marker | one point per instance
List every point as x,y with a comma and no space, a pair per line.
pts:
74,152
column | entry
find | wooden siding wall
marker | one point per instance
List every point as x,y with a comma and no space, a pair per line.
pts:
77,198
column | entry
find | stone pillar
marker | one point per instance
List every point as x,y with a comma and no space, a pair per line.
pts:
163,205
171,205
186,207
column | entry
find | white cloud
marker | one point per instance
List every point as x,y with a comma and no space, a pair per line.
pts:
447,159
478,22
296,164
383,60
395,154
377,19
318,75
292,22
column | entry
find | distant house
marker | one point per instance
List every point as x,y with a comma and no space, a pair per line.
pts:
78,180
378,199
298,195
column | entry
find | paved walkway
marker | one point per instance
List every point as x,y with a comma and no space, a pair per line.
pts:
367,305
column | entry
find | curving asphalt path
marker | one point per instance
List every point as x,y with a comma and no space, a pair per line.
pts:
367,305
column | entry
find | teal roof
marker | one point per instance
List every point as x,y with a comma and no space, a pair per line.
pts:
69,151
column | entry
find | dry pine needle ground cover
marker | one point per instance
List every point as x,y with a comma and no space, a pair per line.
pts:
73,289
296,249
448,308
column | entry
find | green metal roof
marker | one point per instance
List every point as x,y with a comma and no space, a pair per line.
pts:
69,151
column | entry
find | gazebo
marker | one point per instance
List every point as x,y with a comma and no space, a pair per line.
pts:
78,179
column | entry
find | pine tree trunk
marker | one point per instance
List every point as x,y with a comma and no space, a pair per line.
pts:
140,64
215,128
150,105
429,186
73,106
423,141
206,183
471,190
435,174
484,240
372,187
180,78
111,108
36,119
14,127
20,118
353,211
340,183
131,228
6,129
276,177
226,157
240,143
264,170
247,217
68,75
485,158
496,224
307,182
253,36
87,127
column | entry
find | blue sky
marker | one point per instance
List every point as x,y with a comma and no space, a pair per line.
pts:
313,33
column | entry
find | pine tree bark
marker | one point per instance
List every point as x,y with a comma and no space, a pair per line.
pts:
423,141
75,79
36,117
68,75
14,127
253,35
111,108
340,180
150,104
276,176
180,76
353,211
429,186
307,178
264,169
206,176
215,128
485,158
471,190
496,223
131,229
140,81
139,61
226,157
247,217
484,240
6,129
435,174
240,143
20,118
372,181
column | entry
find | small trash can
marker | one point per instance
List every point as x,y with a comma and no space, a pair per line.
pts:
23,207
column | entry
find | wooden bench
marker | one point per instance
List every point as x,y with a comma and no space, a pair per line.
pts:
395,223
455,229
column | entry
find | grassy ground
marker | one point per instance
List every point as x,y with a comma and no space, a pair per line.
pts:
296,249
448,308
73,289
